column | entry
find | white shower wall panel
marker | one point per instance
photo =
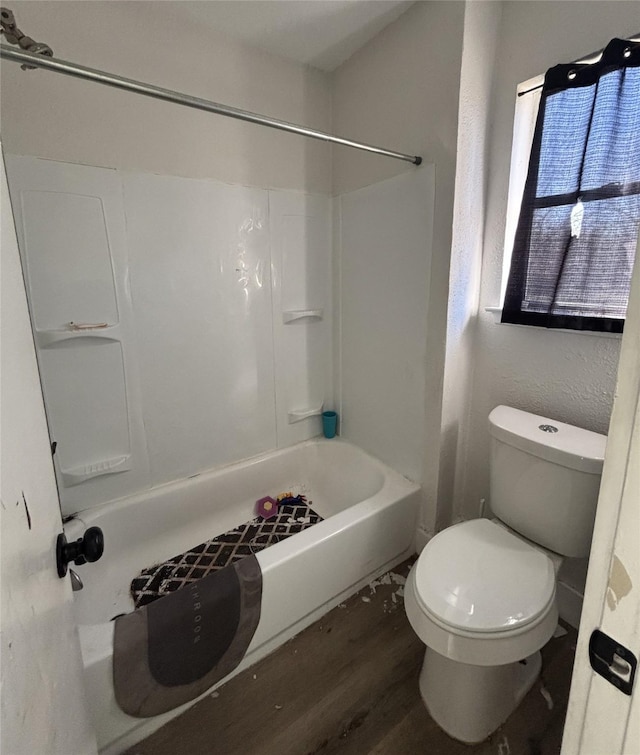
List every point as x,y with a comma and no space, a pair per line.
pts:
71,231
201,290
182,362
385,261
302,306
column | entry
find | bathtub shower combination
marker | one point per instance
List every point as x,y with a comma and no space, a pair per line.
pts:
182,324
150,425
368,522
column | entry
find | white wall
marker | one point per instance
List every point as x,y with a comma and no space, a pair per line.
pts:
385,259
418,86
53,116
401,90
481,26
43,703
570,377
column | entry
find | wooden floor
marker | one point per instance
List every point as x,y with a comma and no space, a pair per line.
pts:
349,684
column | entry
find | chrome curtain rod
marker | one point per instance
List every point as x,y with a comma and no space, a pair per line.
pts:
149,90
584,60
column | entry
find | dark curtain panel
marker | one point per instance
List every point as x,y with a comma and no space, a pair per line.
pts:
576,238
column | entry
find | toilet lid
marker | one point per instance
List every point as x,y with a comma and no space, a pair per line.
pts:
480,577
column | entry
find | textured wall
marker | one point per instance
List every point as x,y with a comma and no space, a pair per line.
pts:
481,26
567,376
51,116
570,377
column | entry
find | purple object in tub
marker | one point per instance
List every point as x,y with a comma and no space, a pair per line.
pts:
266,507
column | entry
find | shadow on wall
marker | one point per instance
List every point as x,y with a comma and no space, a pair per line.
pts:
446,483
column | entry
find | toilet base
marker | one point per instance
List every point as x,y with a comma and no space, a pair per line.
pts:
470,702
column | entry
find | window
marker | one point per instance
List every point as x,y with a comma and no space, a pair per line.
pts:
575,238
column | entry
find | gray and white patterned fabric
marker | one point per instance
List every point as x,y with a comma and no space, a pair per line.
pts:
294,515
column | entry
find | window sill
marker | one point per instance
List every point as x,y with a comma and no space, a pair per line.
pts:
497,314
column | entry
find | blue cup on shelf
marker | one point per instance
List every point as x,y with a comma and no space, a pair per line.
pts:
329,424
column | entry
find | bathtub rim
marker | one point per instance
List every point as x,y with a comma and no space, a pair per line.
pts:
88,516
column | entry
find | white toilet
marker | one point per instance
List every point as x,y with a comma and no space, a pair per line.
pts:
482,594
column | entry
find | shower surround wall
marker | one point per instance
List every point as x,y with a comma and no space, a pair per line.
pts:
402,87
383,258
98,126
136,136
198,356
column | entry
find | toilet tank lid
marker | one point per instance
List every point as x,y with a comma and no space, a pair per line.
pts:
548,439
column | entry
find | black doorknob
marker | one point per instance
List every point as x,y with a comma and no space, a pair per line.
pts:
90,548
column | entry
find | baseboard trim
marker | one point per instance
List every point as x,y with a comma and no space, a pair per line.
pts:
422,538
569,604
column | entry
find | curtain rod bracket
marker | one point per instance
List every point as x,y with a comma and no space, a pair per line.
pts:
14,36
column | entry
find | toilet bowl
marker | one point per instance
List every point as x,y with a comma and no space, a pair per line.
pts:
482,594
484,603
479,594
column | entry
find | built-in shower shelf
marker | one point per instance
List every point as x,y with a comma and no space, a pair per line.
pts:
297,415
47,338
77,475
293,315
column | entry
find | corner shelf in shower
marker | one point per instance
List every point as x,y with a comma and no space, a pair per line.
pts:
75,476
293,315
89,414
297,415
48,338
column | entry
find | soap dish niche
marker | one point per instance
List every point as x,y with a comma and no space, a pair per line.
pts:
295,315
297,415
71,477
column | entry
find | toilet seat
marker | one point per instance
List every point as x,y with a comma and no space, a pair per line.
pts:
477,577
502,627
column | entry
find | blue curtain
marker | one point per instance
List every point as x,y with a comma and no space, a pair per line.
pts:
576,238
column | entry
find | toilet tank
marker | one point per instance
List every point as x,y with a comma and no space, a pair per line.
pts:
545,478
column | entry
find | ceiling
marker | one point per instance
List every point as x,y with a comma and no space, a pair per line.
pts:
321,33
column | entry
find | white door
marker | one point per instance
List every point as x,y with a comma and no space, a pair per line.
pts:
43,710
601,719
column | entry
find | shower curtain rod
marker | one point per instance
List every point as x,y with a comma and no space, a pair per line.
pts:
149,90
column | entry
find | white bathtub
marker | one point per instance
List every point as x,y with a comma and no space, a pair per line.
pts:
369,526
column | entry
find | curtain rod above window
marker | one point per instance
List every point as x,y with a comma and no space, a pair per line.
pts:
32,60
593,57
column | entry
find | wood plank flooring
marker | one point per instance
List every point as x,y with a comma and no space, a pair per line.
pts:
349,684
